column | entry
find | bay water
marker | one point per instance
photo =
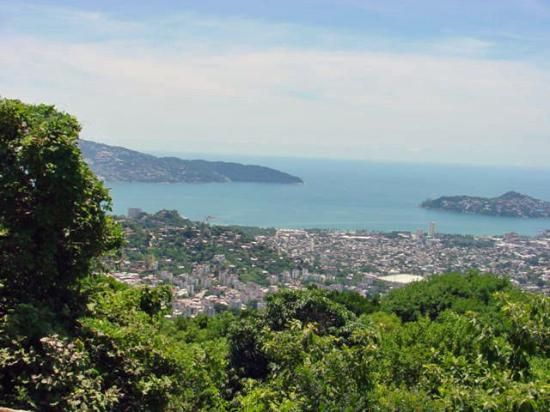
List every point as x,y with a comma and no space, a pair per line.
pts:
346,195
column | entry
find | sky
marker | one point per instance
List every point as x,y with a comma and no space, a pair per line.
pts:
446,81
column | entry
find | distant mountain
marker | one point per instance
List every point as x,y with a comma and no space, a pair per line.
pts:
118,164
510,204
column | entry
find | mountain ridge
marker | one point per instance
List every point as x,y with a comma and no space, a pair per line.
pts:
120,164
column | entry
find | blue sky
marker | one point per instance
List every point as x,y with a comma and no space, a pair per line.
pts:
427,81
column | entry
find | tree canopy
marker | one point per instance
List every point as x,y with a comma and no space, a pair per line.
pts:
52,208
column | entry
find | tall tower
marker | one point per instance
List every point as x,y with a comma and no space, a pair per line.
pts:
432,229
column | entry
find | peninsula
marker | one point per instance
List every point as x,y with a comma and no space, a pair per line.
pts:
118,164
510,204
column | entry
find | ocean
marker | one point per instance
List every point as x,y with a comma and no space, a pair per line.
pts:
346,195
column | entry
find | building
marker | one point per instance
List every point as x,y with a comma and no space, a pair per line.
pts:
432,229
134,212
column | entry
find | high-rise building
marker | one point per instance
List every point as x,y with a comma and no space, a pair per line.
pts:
134,212
432,229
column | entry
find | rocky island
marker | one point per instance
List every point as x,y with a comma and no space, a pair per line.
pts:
510,204
118,164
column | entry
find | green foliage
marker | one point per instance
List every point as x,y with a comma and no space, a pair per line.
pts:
451,291
490,354
122,359
147,358
55,374
156,301
52,208
30,322
321,357
122,354
310,306
355,303
247,358
204,328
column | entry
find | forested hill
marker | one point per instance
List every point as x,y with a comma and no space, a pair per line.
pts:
118,164
510,204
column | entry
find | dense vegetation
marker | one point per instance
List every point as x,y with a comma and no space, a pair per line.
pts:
73,341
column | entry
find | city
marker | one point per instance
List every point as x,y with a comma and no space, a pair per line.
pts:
216,268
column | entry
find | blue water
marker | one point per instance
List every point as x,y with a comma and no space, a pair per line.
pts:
346,195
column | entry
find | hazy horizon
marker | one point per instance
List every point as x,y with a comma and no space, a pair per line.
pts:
260,158
444,82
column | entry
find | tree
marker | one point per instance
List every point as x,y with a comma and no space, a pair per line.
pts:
460,292
53,219
308,306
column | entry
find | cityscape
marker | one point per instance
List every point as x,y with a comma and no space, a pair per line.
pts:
237,270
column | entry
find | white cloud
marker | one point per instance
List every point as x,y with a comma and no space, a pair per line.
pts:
462,46
289,101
